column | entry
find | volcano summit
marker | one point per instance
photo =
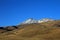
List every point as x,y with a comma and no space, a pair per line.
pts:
31,20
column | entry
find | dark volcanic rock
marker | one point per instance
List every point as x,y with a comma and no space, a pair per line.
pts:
1,27
10,28
15,27
7,28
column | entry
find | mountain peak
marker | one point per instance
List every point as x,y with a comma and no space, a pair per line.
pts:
31,20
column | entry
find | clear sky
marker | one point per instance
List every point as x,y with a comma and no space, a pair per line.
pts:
13,12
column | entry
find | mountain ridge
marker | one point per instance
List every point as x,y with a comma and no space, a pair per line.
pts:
31,20
49,30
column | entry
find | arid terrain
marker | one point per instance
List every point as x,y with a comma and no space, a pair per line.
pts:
36,31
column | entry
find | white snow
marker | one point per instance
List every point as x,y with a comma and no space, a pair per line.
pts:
44,20
31,20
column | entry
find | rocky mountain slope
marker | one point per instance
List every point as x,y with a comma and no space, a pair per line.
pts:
49,30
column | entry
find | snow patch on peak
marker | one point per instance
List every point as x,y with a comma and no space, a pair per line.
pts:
31,20
45,20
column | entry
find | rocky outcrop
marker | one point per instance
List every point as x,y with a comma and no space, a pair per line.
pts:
7,28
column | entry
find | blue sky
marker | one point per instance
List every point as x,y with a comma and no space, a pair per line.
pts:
13,12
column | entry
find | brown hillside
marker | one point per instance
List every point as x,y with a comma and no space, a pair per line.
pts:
42,31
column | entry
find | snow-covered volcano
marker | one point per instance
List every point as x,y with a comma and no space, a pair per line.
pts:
31,20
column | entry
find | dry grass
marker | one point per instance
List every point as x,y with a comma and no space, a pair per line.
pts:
43,31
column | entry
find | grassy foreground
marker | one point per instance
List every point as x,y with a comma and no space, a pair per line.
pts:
42,31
